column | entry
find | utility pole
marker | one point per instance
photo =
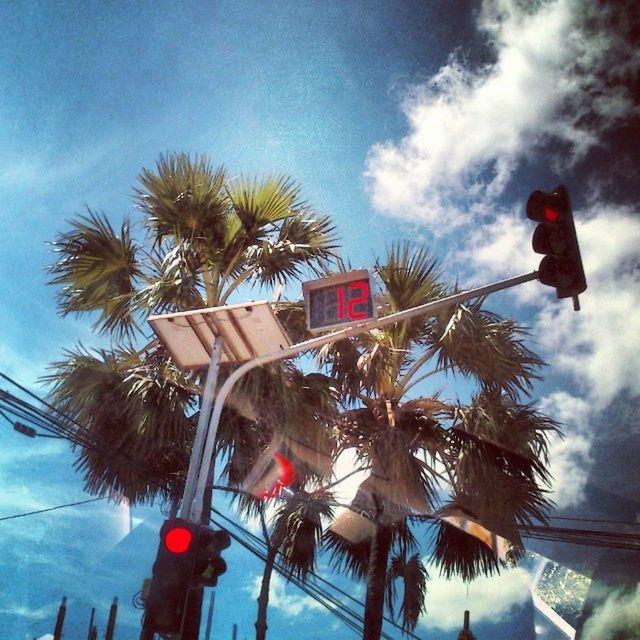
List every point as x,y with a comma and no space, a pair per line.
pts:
62,611
111,625
207,633
90,629
466,634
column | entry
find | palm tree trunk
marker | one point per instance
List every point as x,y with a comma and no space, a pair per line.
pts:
376,574
263,598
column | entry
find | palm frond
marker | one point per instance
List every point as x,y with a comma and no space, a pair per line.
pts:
184,199
175,281
97,271
456,553
297,530
303,245
413,575
411,278
519,431
483,345
134,414
257,204
350,558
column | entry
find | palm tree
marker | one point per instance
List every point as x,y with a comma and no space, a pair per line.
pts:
201,237
429,456
304,439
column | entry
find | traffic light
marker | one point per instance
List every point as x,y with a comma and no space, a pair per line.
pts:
555,237
209,563
172,575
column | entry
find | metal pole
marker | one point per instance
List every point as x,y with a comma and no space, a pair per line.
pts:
207,633
295,349
201,431
111,625
93,613
62,611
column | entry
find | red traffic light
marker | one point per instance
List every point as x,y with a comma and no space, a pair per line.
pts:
178,540
555,237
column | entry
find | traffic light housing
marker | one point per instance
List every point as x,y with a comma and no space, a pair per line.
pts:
208,563
188,557
555,237
172,575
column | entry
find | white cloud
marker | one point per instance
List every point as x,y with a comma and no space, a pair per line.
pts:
570,459
469,129
282,598
620,613
599,347
488,598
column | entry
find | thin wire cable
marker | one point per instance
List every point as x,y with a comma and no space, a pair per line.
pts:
625,523
307,587
357,628
22,409
315,575
311,573
61,506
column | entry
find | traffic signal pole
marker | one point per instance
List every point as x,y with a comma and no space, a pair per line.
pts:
204,419
193,501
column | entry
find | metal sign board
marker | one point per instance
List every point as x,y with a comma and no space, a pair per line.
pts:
339,300
248,330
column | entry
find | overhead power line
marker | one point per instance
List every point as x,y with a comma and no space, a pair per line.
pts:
313,588
56,422
591,538
61,506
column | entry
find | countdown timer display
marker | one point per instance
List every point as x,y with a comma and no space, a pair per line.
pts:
341,299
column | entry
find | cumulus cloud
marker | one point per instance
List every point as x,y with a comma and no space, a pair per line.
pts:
599,347
282,598
620,613
570,458
553,78
489,598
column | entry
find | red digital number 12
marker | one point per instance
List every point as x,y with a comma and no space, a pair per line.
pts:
349,308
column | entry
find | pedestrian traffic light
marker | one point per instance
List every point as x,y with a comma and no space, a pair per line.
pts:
172,575
208,562
556,238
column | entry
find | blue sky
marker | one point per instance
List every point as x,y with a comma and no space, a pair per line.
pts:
427,121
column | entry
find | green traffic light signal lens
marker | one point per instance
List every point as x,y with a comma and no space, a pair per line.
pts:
178,540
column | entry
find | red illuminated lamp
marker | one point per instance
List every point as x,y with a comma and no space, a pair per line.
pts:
284,479
178,540
555,238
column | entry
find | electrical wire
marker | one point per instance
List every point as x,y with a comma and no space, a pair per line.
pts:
59,426
620,522
591,538
62,506
337,610
288,575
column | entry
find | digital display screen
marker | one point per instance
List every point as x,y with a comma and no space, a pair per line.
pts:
341,303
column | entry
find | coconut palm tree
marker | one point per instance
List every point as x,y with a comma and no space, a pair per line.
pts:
305,440
431,457
202,236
